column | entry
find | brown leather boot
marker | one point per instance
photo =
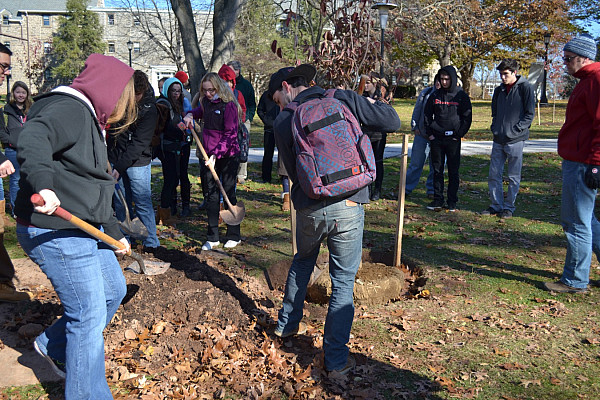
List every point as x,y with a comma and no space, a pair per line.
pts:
5,218
10,294
164,217
285,206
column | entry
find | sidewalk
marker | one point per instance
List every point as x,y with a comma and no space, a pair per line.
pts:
468,148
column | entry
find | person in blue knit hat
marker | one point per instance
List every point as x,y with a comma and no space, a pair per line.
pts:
579,146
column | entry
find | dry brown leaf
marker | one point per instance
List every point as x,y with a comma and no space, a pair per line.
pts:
526,383
555,381
502,352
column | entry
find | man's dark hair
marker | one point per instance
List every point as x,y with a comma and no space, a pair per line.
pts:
508,64
297,81
140,82
5,50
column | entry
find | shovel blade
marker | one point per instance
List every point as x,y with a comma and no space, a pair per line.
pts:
235,215
134,228
152,267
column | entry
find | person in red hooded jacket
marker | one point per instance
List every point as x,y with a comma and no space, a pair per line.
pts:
579,147
63,157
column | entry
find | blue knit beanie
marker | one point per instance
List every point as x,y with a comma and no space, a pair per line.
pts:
583,45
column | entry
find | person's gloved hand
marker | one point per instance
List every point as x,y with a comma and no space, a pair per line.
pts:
592,177
51,202
211,161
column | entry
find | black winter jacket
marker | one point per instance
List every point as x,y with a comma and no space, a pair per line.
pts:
513,112
267,111
14,125
132,148
448,112
62,148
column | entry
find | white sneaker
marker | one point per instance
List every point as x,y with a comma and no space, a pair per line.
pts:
210,245
231,244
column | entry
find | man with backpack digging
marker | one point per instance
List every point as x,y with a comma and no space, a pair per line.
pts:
315,130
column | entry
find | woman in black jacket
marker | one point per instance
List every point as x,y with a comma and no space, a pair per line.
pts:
15,113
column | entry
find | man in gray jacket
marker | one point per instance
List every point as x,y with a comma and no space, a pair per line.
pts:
513,110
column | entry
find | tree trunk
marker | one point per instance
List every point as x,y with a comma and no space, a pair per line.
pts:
191,48
226,14
466,73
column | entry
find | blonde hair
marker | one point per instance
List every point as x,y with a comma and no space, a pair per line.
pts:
222,88
125,110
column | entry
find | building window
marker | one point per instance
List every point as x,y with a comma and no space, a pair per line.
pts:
47,47
111,47
136,21
5,19
111,19
46,19
136,47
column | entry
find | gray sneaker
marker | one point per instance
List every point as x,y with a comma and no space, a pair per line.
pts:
488,211
559,287
505,214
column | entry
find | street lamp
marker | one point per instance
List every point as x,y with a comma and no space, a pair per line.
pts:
543,98
129,47
383,8
425,79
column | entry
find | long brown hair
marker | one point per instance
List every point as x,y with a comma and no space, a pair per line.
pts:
125,111
28,102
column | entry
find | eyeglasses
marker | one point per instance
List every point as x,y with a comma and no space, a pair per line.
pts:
567,59
211,90
5,67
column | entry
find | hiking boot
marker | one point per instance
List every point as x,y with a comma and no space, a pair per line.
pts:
376,194
300,330
451,207
57,367
185,211
285,206
435,206
505,214
559,287
10,294
489,211
210,245
349,367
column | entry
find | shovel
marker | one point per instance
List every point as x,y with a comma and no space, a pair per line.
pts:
234,214
147,267
132,227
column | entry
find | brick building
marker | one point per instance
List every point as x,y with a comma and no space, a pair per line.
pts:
28,26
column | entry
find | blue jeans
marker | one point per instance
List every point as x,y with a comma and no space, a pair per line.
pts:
342,225
500,153
13,180
579,223
136,184
419,153
90,285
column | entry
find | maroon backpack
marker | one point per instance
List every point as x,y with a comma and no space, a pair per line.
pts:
333,157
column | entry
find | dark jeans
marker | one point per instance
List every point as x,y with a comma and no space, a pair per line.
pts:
450,149
175,172
378,149
226,169
267,161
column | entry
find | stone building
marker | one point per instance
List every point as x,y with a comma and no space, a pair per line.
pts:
149,37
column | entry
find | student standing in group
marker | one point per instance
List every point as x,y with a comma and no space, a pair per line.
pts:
62,152
448,117
378,139
220,113
16,114
513,110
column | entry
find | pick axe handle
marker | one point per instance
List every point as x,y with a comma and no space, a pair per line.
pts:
37,200
212,170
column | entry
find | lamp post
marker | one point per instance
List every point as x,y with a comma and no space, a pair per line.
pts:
543,98
383,8
129,47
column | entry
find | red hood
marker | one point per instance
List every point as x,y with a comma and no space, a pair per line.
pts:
102,81
589,69
227,74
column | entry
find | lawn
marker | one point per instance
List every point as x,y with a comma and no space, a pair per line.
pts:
487,330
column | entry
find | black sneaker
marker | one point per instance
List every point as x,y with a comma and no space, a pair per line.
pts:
489,211
559,287
435,206
505,214
451,207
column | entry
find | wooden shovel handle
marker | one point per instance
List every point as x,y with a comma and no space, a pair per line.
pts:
37,200
212,170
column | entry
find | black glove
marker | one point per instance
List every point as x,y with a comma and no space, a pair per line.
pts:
592,177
